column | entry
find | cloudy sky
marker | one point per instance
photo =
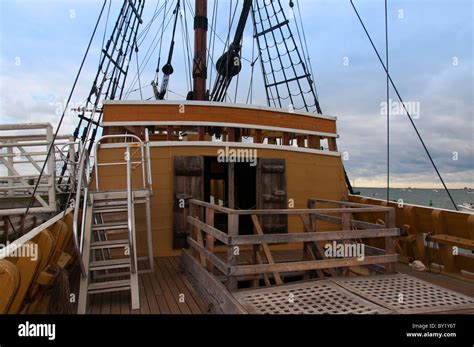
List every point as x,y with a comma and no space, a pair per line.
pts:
431,61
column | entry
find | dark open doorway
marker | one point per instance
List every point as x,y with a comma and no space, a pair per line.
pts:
216,190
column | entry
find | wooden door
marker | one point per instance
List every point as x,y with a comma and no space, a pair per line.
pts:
271,194
188,183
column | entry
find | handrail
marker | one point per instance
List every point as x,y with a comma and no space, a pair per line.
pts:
78,238
130,217
146,181
145,173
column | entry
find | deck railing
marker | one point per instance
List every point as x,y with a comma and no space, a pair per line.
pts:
204,234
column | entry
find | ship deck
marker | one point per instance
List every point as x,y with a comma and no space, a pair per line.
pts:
160,291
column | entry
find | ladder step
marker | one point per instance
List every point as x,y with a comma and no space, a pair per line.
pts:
109,264
111,209
109,244
110,226
110,286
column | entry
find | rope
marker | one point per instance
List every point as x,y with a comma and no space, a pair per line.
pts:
404,107
30,204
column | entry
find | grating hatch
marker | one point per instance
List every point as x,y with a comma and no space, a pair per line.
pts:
317,297
405,294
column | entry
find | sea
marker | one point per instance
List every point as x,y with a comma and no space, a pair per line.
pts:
417,196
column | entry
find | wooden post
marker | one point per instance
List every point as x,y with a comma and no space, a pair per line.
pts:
286,139
233,230
169,133
258,136
445,250
390,247
201,133
231,184
231,135
332,144
209,238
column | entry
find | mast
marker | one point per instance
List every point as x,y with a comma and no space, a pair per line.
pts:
200,47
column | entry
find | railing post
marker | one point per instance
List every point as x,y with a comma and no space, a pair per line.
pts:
51,170
209,238
389,240
233,230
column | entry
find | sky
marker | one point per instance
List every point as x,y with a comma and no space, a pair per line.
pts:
430,60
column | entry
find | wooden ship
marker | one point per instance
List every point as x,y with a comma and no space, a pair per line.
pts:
204,206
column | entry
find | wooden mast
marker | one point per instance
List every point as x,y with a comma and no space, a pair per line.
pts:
200,47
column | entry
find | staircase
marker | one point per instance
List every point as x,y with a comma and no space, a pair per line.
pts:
107,242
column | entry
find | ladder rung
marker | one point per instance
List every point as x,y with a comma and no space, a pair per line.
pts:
114,209
110,244
110,286
110,226
279,25
109,264
288,80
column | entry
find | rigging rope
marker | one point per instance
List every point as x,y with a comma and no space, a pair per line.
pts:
30,204
404,106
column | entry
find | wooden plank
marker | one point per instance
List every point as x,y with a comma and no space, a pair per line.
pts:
196,296
307,211
208,229
170,301
173,289
105,306
310,265
188,298
221,209
315,236
151,299
115,303
158,292
212,258
266,249
124,303
212,291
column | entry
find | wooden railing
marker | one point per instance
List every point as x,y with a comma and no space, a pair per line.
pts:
204,234
442,239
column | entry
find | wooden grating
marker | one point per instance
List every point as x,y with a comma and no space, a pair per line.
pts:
405,294
316,297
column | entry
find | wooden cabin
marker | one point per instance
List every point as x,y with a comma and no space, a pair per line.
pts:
296,158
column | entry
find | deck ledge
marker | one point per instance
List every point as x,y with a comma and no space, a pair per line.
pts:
229,144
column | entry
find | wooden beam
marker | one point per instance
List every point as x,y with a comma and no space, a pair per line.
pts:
313,236
210,257
215,233
213,292
310,265
266,249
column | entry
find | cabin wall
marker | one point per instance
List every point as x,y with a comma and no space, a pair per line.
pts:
308,176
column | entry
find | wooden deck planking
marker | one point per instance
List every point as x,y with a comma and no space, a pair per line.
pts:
159,294
160,290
